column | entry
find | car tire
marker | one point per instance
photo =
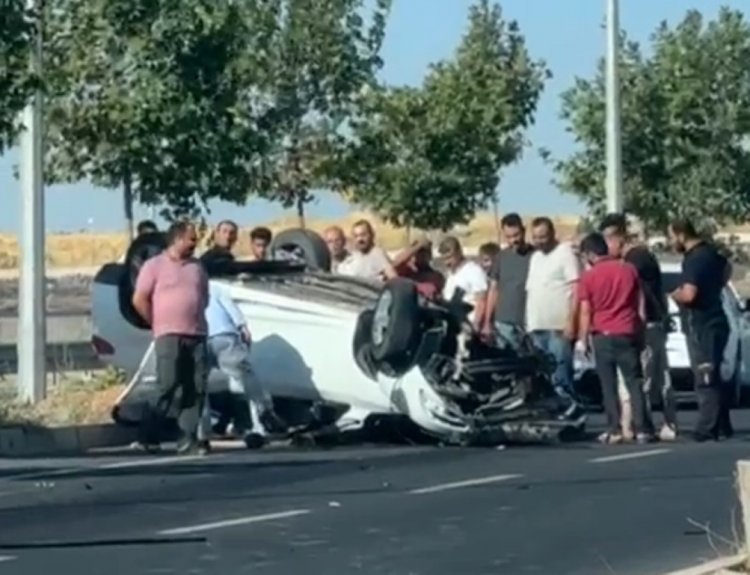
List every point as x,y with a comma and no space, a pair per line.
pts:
396,322
141,249
307,245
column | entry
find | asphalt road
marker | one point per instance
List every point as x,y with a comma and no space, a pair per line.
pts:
580,509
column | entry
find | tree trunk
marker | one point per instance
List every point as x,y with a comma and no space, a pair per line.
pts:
127,196
301,210
496,214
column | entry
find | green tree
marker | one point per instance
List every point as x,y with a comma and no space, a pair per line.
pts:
685,120
17,27
431,157
154,98
324,55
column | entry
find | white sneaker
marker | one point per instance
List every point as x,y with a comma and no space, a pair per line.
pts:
667,433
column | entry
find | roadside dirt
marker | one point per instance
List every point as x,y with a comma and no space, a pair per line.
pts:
74,400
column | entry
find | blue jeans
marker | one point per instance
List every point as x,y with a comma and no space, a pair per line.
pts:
554,343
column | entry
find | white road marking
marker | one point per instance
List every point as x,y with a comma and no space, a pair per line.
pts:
465,483
634,455
4,558
234,522
151,461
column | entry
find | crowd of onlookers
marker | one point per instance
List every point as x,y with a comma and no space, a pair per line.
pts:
599,296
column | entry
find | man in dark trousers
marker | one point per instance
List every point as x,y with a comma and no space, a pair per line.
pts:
171,294
657,383
611,314
705,272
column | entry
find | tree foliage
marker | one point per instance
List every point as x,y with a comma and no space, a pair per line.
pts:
431,156
17,28
154,97
685,123
324,55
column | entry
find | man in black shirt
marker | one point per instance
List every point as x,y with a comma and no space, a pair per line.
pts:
705,272
657,383
223,240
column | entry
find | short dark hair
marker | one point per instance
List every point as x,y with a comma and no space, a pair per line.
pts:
618,221
543,221
227,223
364,224
146,226
449,244
594,244
177,230
512,220
489,249
685,227
261,233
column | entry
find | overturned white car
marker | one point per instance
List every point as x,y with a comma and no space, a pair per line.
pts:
337,353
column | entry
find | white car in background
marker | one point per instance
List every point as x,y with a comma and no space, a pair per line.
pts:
736,365
337,353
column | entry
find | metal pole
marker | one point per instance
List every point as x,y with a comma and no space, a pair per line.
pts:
614,136
32,301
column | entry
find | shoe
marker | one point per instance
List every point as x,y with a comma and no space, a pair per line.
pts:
254,440
272,422
668,433
644,438
702,437
193,446
610,438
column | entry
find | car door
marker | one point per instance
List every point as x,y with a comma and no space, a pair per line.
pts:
739,339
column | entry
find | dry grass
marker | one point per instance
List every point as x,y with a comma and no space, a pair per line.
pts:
75,400
78,250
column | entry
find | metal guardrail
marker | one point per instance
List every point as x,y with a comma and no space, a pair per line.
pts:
61,357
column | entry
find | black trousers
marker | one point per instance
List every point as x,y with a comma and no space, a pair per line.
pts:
613,352
181,373
706,345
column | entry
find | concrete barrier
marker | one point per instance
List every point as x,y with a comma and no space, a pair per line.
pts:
24,441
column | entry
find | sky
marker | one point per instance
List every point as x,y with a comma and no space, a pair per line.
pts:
567,34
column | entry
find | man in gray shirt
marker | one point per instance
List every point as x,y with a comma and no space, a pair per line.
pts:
506,305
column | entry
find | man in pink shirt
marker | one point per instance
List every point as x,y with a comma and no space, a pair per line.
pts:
171,294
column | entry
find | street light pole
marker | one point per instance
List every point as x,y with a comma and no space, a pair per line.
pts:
32,354
614,136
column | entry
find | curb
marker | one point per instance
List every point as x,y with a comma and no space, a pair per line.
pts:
715,567
42,441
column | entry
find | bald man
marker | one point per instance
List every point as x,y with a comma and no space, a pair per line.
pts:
336,240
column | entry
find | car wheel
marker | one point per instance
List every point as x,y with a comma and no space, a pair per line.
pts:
141,249
303,245
395,322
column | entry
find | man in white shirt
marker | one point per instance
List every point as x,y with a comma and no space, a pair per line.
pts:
466,275
551,300
366,261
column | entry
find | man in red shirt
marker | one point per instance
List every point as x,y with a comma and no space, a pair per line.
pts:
611,307
415,263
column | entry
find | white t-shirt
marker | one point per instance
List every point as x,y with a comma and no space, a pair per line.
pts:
550,287
368,266
470,277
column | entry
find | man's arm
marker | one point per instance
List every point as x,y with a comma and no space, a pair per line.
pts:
144,290
572,274
493,295
477,286
406,254
389,270
688,290
583,311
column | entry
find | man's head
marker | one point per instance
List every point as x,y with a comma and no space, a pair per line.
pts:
543,234
363,236
513,230
260,238
451,252
594,247
682,233
487,254
423,256
225,234
614,228
146,227
182,237
336,241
